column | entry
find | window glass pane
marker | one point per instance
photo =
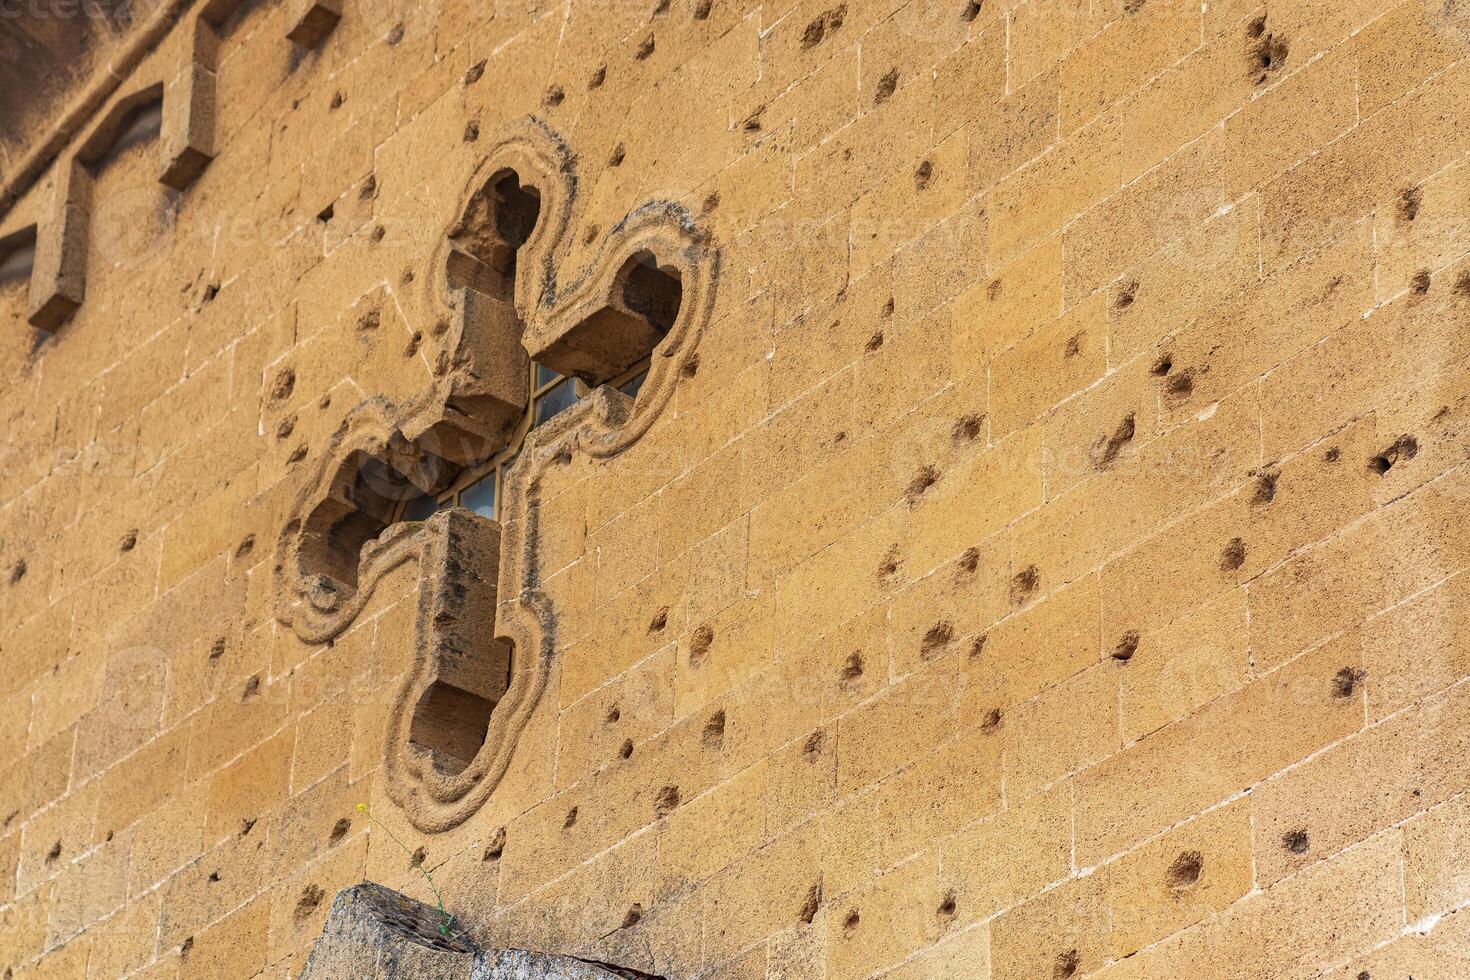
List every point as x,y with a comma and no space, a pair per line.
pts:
555,401
419,508
544,376
633,384
480,497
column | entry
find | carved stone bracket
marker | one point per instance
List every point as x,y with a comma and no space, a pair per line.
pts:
477,676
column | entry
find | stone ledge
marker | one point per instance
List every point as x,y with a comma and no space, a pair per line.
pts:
375,933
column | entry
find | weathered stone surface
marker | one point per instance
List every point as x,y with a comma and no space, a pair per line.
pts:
374,933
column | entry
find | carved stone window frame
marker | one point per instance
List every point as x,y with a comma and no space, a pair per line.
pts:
450,627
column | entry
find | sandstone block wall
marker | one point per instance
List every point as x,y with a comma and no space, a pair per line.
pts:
1050,562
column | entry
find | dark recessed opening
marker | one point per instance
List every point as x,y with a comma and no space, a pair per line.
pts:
450,724
653,293
500,219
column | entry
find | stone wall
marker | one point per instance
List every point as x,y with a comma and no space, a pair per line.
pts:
1037,550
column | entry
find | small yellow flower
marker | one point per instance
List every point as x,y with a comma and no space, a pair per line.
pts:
362,808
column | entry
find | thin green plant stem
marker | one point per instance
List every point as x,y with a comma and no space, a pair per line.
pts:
446,921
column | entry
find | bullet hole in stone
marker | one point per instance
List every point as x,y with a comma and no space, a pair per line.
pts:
888,308
711,202
972,10
889,566
1462,284
991,723
1131,7
714,730
1162,366
53,854
325,403
554,97
1074,346
923,175
970,560
633,917
1024,584
369,188
311,897
1180,385
496,847
812,747
395,35
993,291
252,688
809,906
922,481
645,49
967,428
369,321
1267,52
659,621
667,801
1296,841
186,947
886,87
849,924
210,292
283,385
297,455
1419,285
874,342
378,233
1233,556
338,98
948,906
245,547
1127,293
246,826
339,830
129,541
937,638
1332,455
699,645
326,214
977,646
1184,873
472,131
625,751
1105,451
108,838
411,349
417,858
691,366
218,650
852,670
1127,647
18,571
1364,975
1265,488
614,714
618,154
214,876
702,9
1066,965
752,123
1345,682
474,73
1404,448
824,24
1409,201
661,9
407,277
